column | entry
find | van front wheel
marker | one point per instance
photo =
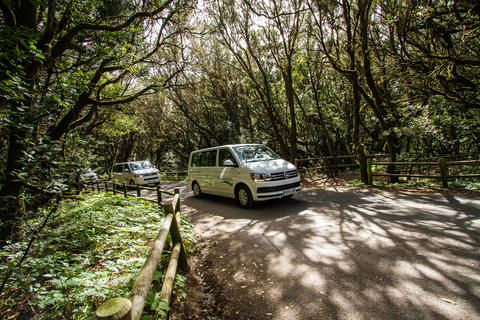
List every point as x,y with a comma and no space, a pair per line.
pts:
197,192
244,197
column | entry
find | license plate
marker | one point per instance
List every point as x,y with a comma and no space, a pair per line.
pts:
289,191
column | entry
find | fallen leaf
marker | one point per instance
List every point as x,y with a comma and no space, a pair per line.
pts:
449,301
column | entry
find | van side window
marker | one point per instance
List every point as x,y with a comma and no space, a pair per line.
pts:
224,155
118,168
210,158
204,159
196,157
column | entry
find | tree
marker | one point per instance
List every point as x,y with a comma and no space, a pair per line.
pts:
68,62
282,29
437,44
246,38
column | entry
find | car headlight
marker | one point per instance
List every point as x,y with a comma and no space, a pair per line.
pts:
261,176
139,175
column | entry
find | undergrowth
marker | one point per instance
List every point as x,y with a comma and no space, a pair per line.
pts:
86,253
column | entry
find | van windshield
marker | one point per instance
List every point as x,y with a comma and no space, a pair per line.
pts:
140,165
250,153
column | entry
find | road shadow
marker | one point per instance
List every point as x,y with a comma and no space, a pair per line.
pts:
345,255
228,208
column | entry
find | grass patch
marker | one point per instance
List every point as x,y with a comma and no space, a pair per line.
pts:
87,252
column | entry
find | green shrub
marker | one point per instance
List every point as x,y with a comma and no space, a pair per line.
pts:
89,251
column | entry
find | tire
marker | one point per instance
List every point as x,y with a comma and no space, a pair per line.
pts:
197,192
244,197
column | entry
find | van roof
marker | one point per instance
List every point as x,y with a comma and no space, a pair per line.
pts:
130,162
228,146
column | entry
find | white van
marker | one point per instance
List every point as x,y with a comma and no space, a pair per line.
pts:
248,172
136,172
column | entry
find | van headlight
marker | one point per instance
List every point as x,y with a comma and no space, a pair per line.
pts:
261,176
139,175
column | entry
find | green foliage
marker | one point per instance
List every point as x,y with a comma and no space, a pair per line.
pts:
158,307
88,252
355,183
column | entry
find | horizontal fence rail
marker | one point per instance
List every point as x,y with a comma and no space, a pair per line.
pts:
123,188
131,308
175,174
442,165
329,162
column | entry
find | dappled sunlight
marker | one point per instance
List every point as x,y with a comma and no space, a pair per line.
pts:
354,255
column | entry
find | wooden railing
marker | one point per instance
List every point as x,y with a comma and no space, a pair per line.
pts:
131,308
327,163
123,188
442,165
175,174
324,163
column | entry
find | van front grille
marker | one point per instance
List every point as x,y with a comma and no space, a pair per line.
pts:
150,174
278,188
284,175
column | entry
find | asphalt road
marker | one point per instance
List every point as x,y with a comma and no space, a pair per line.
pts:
341,254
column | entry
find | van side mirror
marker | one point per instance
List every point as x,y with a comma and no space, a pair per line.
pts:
127,170
229,163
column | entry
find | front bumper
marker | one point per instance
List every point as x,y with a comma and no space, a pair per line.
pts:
148,180
277,190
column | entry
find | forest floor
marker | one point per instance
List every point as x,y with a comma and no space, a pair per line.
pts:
206,295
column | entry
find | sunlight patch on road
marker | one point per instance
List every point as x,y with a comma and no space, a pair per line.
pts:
285,265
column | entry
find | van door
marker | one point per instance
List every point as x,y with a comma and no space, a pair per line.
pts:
203,167
226,174
128,173
118,173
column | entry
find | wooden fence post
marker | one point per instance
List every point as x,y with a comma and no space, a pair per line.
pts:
159,196
369,172
114,188
168,283
176,236
177,204
114,309
125,189
138,190
443,172
140,289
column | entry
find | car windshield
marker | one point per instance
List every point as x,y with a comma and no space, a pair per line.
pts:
250,153
140,165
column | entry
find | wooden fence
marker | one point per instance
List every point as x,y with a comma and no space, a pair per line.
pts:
442,173
327,162
132,308
123,188
175,174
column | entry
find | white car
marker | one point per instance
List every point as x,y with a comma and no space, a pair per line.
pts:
247,172
136,172
89,176
80,178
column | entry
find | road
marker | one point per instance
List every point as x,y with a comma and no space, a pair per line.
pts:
335,253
